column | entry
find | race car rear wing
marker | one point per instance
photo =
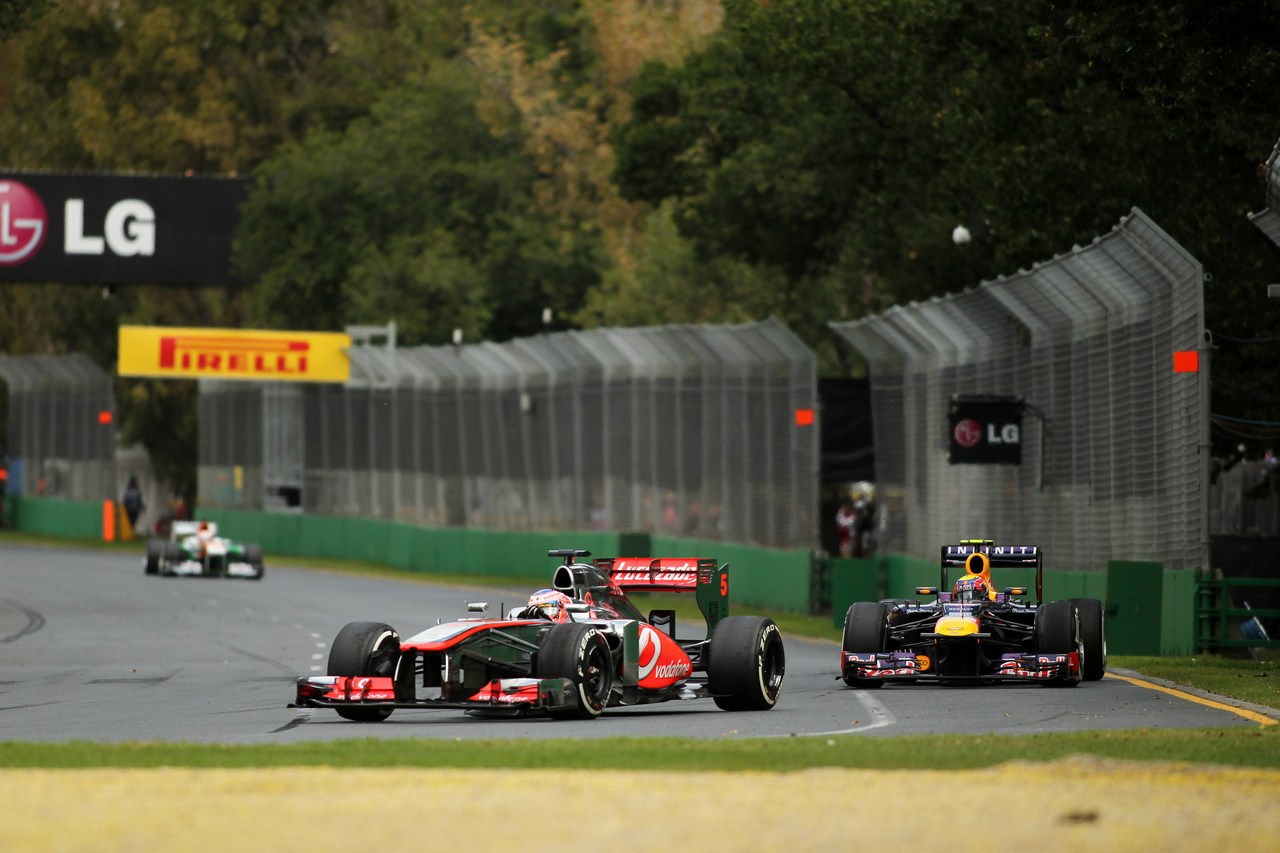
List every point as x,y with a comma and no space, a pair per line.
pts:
998,556
700,575
647,574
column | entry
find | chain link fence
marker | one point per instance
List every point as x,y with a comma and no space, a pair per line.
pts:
699,431
1111,467
62,436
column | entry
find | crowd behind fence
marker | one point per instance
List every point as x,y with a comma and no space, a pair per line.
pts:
699,431
1111,452
62,438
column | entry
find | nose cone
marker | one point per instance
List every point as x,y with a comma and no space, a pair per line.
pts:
956,626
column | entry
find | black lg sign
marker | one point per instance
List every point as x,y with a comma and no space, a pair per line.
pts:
986,430
112,229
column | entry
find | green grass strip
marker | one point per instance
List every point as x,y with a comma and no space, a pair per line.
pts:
1245,746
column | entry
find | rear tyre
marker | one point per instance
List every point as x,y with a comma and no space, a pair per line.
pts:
1057,631
155,555
365,648
746,663
1093,633
580,654
253,556
864,631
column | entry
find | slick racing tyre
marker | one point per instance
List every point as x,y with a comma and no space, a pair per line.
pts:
1093,633
745,663
365,648
864,631
1057,631
172,555
253,556
155,556
580,654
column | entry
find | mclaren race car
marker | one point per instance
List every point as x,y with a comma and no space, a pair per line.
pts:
194,549
574,650
974,633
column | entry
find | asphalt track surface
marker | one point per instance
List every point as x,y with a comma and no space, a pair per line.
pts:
93,649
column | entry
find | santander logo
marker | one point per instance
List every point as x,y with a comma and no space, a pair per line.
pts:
24,222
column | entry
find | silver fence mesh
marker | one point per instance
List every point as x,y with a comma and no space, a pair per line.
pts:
678,430
60,443
1112,469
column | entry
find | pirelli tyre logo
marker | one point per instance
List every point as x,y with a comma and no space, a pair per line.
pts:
182,353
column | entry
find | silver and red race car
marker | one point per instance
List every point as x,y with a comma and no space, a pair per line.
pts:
572,651
975,633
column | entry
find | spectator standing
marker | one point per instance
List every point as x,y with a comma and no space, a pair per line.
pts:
133,502
845,520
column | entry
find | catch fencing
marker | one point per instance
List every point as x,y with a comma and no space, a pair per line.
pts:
706,432
62,436
1112,438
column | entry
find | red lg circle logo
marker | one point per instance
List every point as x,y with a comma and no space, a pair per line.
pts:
968,433
23,223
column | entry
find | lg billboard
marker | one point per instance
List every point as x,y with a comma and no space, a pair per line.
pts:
118,229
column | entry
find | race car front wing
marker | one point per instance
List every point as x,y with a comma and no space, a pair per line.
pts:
1012,666
509,695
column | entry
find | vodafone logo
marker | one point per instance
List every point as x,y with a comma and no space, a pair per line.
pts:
651,653
650,645
968,433
24,222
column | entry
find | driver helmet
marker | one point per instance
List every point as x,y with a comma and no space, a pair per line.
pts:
970,589
553,604
205,530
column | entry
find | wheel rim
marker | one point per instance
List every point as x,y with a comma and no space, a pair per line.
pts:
595,678
771,670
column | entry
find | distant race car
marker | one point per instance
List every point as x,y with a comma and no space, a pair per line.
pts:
194,549
974,633
574,650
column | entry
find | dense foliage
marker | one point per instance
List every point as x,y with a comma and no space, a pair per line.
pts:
466,164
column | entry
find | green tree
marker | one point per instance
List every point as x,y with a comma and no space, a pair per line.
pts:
840,141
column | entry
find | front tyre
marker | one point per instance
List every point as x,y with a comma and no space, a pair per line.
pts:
1057,631
365,648
580,654
864,632
253,556
172,556
1093,633
746,663
155,556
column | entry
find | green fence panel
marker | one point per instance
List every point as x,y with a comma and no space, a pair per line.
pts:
1135,601
1067,583
853,579
57,517
903,574
1178,606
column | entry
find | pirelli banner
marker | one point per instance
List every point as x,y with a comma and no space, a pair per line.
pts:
986,430
179,353
118,229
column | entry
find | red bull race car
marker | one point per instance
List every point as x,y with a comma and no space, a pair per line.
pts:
572,651
975,633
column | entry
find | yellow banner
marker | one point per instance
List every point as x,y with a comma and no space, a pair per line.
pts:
180,353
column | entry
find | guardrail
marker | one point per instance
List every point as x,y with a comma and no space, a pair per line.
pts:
1216,615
